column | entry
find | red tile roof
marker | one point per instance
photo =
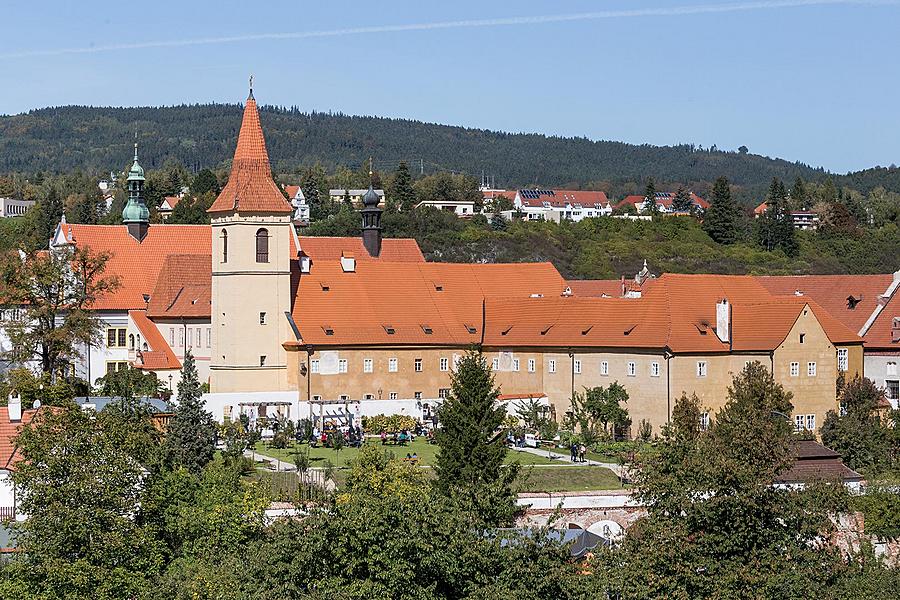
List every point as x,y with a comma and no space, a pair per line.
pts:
172,201
611,288
663,198
879,334
9,452
160,356
332,248
250,187
138,264
291,190
183,288
409,303
833,292
560,198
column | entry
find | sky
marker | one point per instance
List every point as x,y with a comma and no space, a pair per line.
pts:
814,81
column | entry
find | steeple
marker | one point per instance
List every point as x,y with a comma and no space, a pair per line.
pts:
371,219
135,216
250,187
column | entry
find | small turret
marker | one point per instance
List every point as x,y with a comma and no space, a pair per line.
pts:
371,221
136,216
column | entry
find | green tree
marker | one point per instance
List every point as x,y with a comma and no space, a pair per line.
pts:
191,435
49,211
721,218
205,182
650,204
775,228
403,194
857,432
469,462
311,184
798,195
79,482
56,292
129,383
682,201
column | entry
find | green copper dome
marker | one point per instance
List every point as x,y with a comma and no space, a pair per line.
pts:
136,173
135,213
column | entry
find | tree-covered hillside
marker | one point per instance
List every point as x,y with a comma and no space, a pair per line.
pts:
203,136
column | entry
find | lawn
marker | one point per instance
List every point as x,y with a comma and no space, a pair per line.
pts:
568,479
425,451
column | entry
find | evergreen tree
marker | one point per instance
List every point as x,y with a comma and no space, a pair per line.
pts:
49,213
682,201
498,223
469,464
798,194
721,219
650,204
191,435
312,192
403,195
828,193
775,228
205,181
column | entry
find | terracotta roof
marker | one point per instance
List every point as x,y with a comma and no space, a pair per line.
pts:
763,207
160,356
291,190
331,248
183,288
560,198
9,453
250,187
172,201
662,198
834,292
409,303
138,264
879,333
814,462
611,288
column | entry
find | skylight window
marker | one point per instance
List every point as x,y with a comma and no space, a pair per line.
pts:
427,329
389,329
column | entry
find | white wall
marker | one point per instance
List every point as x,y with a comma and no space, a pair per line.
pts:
876,369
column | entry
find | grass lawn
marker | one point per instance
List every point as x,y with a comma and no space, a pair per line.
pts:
568,479
425,451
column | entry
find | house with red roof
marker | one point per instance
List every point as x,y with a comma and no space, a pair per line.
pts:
558,205
12,419
663,199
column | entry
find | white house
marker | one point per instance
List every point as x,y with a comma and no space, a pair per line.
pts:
10,207
298,202
461,208
558,205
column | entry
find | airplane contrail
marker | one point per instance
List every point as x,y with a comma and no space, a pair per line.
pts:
697,9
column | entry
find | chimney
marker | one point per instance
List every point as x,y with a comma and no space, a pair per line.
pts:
723,321
15,408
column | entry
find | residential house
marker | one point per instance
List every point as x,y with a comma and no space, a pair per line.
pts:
10,207
298,201
355,196
12,419
461,208
802,219
167,206
664,200
558,205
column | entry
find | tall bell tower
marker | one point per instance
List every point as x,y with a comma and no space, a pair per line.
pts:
251,277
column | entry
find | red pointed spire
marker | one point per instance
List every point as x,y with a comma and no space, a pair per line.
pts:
250,187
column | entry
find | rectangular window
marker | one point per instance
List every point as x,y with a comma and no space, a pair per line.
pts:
632,369
577,367
892,388
262,318
345,398
701,368
180,337
843,361
654,369
392,365
531,365
811,369
516,364
417,395
495,364
368,365
444,393
342,365
114,366
604,368
171,336
314,365
810,422
368,396
208,337
445,364
262,360
116,337
392,396
551,365
199,336
795,369
189,333
704,421
317,398
891,368
418,365
799,421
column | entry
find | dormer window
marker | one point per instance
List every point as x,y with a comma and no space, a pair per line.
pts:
389,329
427,329
262,245
328,330
471,329
852,302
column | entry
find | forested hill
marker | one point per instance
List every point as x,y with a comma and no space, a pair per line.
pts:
199,136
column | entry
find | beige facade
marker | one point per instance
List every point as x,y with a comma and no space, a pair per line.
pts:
251,292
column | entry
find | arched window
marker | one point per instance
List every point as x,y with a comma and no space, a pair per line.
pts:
224,237
262,245
131,341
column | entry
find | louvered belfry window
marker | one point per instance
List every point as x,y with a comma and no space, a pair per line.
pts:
262,246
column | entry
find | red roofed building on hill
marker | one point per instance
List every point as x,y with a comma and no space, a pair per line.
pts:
561,205
663,199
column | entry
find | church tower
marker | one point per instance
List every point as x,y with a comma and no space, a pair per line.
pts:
251,277
135,215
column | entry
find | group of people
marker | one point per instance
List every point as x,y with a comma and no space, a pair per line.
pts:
398,439
577,452
352,437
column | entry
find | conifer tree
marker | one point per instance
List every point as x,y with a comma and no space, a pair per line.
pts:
798,194
191,436
721,219
650,204
403,195
312,192
682,201
469,463
49,212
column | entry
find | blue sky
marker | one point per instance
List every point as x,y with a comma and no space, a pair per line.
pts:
809,80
